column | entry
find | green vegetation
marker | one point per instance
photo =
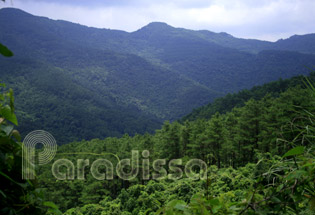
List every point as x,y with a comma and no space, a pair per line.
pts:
260,158
228,102
103,83
5,51
82,83
17,196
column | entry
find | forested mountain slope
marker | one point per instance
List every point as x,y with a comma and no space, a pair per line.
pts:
245,149
129,82
230,101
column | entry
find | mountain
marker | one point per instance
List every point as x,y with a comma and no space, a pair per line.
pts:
228,102
235,141
300,43
101,82
78,91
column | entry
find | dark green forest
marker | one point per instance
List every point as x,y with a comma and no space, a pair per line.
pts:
104,83
260,158
244,108
259,153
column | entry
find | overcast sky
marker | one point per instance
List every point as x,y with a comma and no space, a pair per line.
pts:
259,19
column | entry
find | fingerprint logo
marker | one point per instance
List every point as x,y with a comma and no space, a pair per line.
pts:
29,151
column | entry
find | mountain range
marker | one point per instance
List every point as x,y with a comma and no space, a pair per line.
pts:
79,82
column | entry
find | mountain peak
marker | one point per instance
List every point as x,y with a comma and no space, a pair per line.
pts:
158,24
9,11
153,26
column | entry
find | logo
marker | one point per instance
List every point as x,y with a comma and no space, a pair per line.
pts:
32,157
29,151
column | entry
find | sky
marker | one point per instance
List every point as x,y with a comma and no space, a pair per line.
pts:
257,19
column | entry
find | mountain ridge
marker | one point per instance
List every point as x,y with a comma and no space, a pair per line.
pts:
158,72
227,40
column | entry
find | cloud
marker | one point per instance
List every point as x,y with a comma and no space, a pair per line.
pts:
127,3
264,19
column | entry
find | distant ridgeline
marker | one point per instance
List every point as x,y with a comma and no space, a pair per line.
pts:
82,83
230,101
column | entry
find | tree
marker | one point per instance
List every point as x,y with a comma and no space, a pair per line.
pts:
216,136
4,50
250,119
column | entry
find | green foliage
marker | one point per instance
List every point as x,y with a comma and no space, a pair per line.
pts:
295,151
286,187
102,82
83,83
17,196
230,101
260,160
5,51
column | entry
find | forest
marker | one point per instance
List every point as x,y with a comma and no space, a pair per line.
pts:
258,149
105,83
218,125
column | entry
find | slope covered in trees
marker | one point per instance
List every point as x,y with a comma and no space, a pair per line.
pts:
260,158
228,102
130,82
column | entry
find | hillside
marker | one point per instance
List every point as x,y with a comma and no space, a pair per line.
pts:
242,148
130,82
227,103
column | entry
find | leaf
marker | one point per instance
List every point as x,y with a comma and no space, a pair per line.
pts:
309,84
3,194
216,205
175,202
295,151
7,113
54,211
16,135
275,199
10,94
296,174
180,207
51,205
234,208
7,129
160,211
5,51
280,187
214,202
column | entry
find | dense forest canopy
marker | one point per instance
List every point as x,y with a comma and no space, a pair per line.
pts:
252,149
260,159
243,149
